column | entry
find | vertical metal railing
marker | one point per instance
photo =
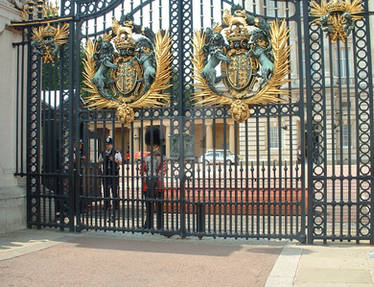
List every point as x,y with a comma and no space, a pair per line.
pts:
340,159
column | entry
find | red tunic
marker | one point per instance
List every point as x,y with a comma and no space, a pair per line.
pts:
157,168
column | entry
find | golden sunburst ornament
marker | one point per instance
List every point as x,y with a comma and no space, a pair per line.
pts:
254,65
337,17
139,71
47,39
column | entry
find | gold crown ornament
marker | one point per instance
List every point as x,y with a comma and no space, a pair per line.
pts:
336,6
238,37
48,31
122,43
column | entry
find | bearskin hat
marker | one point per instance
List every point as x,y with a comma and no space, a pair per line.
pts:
153,136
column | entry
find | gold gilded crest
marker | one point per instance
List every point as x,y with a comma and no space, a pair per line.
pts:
126,77
139,70
47,40
254,58
336,17
240,70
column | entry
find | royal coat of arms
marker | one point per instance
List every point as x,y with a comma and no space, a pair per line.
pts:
127,68
337,17
254,61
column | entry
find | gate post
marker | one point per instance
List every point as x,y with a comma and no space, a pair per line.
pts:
308,96
364,99
183,29
33,136
74,95
350,205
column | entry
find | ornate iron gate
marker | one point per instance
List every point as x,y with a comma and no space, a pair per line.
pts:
274,175
340,133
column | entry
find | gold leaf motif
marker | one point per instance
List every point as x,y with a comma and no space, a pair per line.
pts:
205,96
272,92
332,14
269,94
59,34
154,97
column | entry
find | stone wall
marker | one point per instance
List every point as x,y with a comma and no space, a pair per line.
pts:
12,194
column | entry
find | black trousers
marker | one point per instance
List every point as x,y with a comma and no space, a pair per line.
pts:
111,184
153,196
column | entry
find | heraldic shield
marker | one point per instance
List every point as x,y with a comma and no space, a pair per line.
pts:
126,77
254,60
124,73
240,70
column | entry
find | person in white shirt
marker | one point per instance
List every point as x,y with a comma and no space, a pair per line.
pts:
111,161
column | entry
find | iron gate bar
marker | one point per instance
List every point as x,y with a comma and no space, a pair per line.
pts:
181,101
32,182
370,111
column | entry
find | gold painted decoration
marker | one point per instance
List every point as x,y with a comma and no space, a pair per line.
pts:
337,17
39,9
47,39
129,74
254,64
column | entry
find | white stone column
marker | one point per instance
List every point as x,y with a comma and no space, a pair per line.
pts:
12,196
167,141
110,130
209,135
232,137
145,147
136,139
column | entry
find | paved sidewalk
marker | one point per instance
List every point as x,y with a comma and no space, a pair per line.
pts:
45,258
336,265
51,258
333,265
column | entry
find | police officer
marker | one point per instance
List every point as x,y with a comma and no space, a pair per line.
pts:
111,161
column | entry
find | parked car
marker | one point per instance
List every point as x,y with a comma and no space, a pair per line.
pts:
138,155
218,156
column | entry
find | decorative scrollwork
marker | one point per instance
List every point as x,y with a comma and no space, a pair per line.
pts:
337,18
130,74
254,64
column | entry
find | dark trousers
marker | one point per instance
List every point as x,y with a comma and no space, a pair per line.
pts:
83,202
111,184
151,195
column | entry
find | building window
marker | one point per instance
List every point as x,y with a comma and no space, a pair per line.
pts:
343,67
274,137
270,11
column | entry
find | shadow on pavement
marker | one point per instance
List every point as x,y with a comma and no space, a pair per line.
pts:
166,246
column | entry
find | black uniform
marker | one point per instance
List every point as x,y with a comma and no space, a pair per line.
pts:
110,178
